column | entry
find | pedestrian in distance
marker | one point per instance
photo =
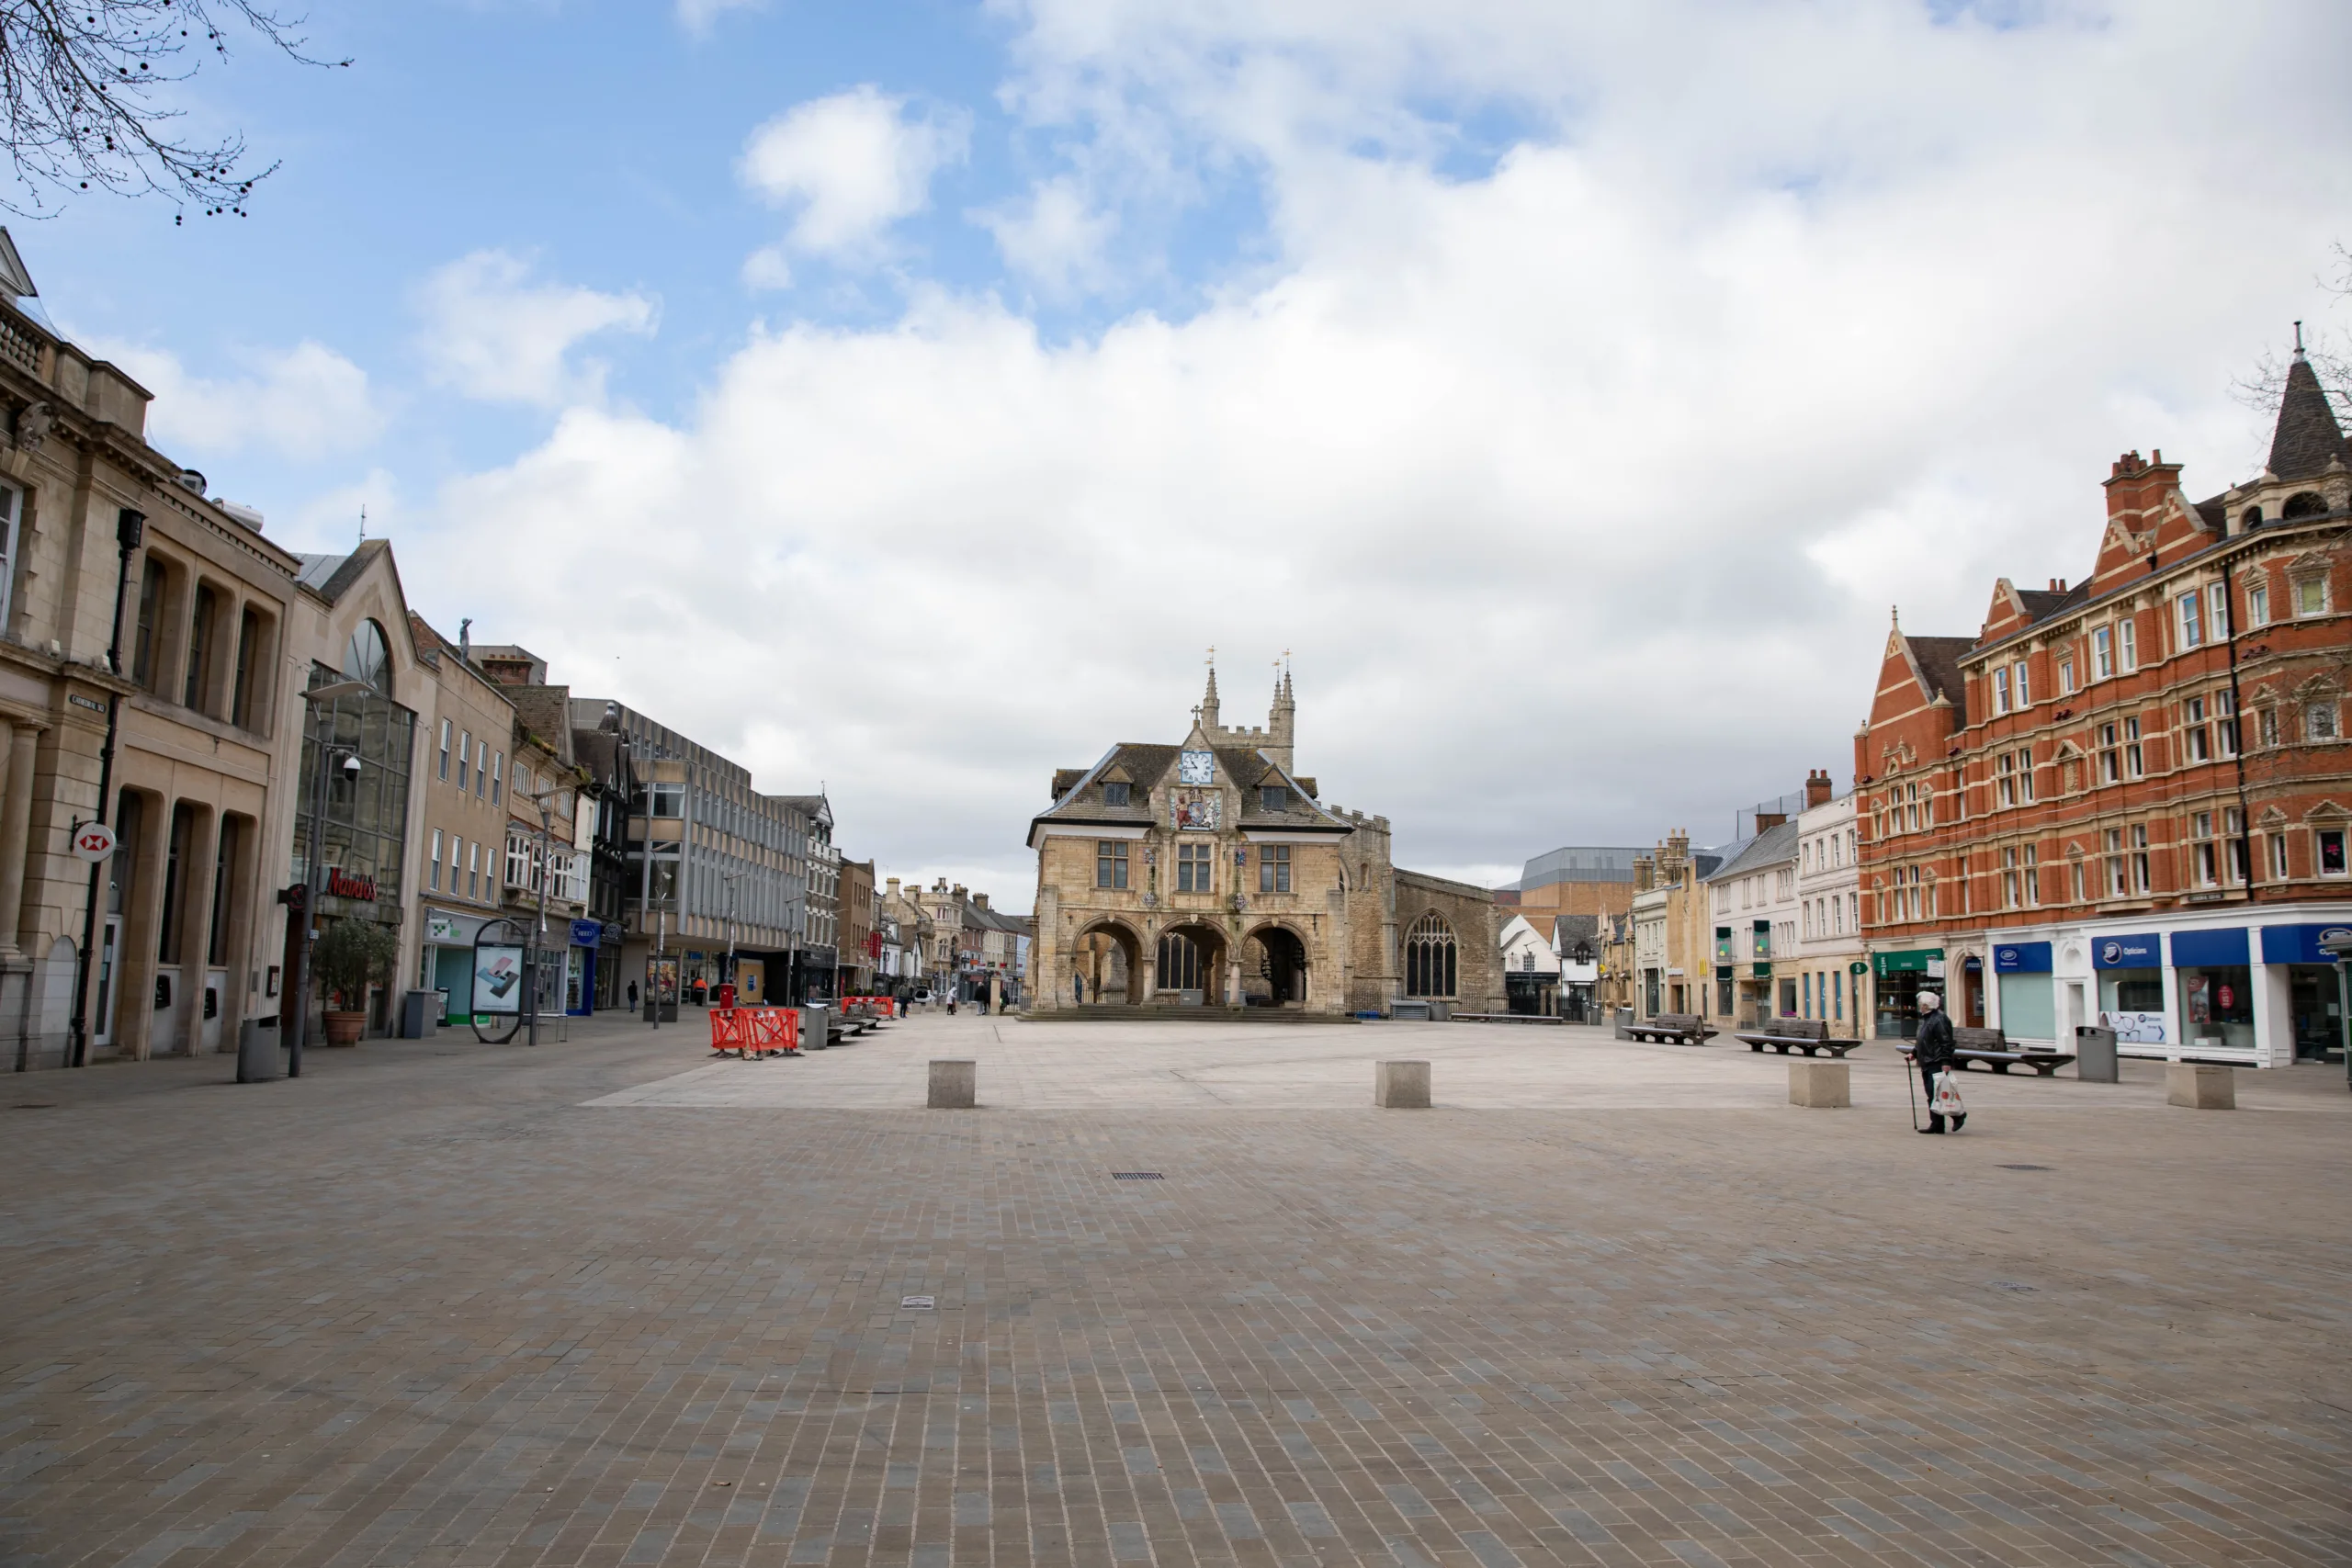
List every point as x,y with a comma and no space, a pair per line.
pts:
632,995
1933,1051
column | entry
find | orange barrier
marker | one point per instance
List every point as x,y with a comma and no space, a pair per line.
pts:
750,1033
887,1007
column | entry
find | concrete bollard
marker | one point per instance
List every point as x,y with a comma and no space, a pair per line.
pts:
953,1086
1822,1086
2200,1087
1400,1086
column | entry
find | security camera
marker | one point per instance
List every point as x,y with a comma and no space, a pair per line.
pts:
351,768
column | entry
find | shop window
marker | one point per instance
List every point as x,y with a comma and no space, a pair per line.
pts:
2328,843
2131,1003
1109,864
2217,1007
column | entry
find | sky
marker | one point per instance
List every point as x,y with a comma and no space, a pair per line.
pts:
904,397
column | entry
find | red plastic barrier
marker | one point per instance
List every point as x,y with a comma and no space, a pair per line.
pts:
750,1033
887,1006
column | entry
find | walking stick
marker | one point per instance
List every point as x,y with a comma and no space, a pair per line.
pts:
1911,1082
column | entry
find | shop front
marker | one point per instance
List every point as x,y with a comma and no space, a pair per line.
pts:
2129,966
2213,986
1899,978
2304,988
446,966
2029,1011
580,967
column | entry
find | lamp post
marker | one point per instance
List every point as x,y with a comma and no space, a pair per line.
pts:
531,954
313,886
732,877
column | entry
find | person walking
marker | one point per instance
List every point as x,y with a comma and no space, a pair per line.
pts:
1933,1051
632,995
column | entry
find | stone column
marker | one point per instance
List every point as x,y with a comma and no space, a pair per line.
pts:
16,829
199,860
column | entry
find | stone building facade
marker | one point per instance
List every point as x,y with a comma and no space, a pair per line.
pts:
1210,874
2132,799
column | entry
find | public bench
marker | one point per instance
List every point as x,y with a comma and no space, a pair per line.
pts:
1672,1028
1989,1047
1805,1035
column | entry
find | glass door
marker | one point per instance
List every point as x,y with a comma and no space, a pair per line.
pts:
102,1031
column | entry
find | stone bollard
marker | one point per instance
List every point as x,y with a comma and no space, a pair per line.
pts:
2200,1087
1400,1086
1822,1085
953,1086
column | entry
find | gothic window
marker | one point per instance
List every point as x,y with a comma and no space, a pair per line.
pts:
1179,963
1429,957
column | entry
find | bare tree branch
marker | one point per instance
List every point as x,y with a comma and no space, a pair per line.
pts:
81,86
2330,352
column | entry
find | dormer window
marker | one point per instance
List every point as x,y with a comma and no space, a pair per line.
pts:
1114,794
1274,797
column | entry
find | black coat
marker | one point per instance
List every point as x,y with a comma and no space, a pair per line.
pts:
1934,1044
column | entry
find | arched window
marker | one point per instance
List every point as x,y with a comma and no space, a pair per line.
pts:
366,658
2253,518
1429,957
1180,963
2304,504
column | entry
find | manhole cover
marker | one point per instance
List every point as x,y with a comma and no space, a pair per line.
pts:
2008,1285
916,1303
2028,1167
1137,1176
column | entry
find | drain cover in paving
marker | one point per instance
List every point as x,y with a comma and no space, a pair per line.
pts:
916,1303
2027,1168
1137,1176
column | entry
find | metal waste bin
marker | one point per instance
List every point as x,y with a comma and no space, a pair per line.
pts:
2095,1055
813,1022
1624,1021
420,1015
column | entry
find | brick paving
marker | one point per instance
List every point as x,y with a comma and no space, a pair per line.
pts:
441,1303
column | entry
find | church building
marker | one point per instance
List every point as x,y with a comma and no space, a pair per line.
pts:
1209,875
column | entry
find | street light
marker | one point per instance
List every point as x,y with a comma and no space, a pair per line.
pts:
299,993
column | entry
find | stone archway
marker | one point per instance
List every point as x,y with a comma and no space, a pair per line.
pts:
1106,965
1191,968
1273,968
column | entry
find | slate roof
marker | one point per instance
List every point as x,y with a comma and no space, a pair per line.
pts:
1077,797
2307,438
2041,603
1939,659
1773,846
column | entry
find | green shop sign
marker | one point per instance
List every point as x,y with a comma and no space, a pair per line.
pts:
1917,961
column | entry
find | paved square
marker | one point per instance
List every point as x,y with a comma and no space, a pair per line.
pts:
602,1302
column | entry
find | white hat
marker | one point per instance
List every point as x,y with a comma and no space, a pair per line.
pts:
1930,999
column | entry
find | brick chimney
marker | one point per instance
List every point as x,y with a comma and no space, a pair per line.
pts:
981,899
1817,788
2136,488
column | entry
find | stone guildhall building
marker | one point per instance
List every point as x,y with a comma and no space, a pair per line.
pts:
1210,874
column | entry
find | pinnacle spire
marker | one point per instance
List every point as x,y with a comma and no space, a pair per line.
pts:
2307,438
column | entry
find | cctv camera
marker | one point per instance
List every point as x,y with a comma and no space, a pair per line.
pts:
351,766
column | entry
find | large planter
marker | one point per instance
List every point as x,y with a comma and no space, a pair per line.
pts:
345,1028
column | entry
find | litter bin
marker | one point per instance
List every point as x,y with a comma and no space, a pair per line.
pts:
1624,1021
2095,1055
813,1022
420,1014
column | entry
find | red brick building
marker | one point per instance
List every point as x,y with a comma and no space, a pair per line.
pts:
2131,796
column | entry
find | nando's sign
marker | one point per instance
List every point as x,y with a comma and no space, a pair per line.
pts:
342,883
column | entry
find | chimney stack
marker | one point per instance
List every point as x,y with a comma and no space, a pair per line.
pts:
1817,788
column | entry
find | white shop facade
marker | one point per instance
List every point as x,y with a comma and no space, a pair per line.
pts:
2246,985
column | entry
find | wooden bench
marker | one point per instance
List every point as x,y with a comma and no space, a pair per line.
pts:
1971,1047
1670,1029
1805,1035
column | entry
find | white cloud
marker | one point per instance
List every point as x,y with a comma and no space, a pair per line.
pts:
1580,485
851,165
302,403
491,331
1055,238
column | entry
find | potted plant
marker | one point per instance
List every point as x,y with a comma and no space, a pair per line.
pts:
349,956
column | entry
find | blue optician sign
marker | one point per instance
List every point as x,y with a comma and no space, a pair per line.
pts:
2021,958
587,933
2144,951
2299,945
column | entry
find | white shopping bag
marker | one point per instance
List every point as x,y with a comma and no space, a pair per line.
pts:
1947,1101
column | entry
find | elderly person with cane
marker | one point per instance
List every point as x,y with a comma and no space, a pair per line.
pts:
1933,1051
